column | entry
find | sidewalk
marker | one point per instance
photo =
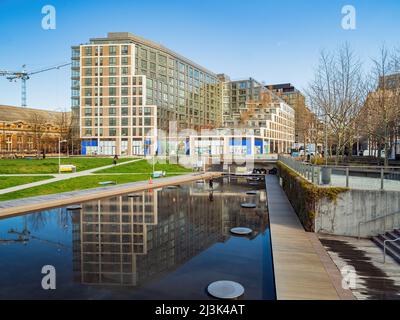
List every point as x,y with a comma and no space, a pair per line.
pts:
57,177
301,270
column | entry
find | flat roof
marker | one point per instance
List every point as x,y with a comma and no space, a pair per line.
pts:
123,36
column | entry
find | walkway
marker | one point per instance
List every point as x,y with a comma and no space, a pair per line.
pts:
302,270
57,177
20,206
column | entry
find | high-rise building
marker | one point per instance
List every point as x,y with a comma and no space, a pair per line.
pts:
125,87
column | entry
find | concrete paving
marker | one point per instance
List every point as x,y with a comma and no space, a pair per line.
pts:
374,279
58,177
301,270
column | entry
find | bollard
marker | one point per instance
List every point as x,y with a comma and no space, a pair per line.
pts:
347,177
382,177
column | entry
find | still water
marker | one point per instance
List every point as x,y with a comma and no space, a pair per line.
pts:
165,243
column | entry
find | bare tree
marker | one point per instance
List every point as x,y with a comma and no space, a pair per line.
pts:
337,93
38,123
381,103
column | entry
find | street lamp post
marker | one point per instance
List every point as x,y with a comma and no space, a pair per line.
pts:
59,153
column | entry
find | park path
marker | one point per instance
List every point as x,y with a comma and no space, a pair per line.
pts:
57,177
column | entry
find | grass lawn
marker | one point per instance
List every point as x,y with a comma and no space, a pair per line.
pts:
50,165
143,166
79,183
8,182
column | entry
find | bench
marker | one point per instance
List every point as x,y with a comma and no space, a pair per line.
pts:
67,168
105,183
158,174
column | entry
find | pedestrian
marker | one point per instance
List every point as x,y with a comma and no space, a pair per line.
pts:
115,160
211,183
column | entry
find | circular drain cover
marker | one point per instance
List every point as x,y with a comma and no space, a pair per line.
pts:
225,289
248,205
74,207
241,231
253,193
133,195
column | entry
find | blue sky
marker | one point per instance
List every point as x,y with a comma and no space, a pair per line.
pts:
271,41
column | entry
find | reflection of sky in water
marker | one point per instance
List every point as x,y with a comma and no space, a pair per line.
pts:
141,247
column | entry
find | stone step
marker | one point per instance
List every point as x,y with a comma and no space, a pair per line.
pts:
395,254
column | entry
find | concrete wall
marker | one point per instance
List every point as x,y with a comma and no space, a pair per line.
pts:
342,217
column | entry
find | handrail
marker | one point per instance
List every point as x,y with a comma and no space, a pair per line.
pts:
342,166
384,247
375,219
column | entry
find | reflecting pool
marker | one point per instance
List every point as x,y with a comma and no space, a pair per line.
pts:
168,243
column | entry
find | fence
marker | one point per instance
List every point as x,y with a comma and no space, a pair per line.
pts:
355,177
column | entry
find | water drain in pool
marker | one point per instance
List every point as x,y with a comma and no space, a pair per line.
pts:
225,289
248,205
241,231
253,193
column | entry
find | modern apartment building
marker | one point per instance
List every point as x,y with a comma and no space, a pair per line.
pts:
235,94
297,101
126,87
248,104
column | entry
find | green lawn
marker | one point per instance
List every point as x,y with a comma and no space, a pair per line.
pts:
11,166
143,166
79,183
8,182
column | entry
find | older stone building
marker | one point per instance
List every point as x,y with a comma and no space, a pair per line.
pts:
29,131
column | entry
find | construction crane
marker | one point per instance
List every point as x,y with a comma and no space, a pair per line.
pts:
25,75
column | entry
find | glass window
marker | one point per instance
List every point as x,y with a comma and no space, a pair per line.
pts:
162,59
124,91
88,51
124,101
112,122
113,71
113,61
112,50
124,50
112,132
124,110
112,91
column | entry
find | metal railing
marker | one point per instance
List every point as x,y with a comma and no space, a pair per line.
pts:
384,247
381,230
356,177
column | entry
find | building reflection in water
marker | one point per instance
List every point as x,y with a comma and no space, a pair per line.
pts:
129,241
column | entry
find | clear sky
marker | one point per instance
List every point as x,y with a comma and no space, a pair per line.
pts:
271,41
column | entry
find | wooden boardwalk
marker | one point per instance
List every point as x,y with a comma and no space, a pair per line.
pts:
302,269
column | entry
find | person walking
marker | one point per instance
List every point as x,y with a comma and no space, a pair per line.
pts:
115,160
